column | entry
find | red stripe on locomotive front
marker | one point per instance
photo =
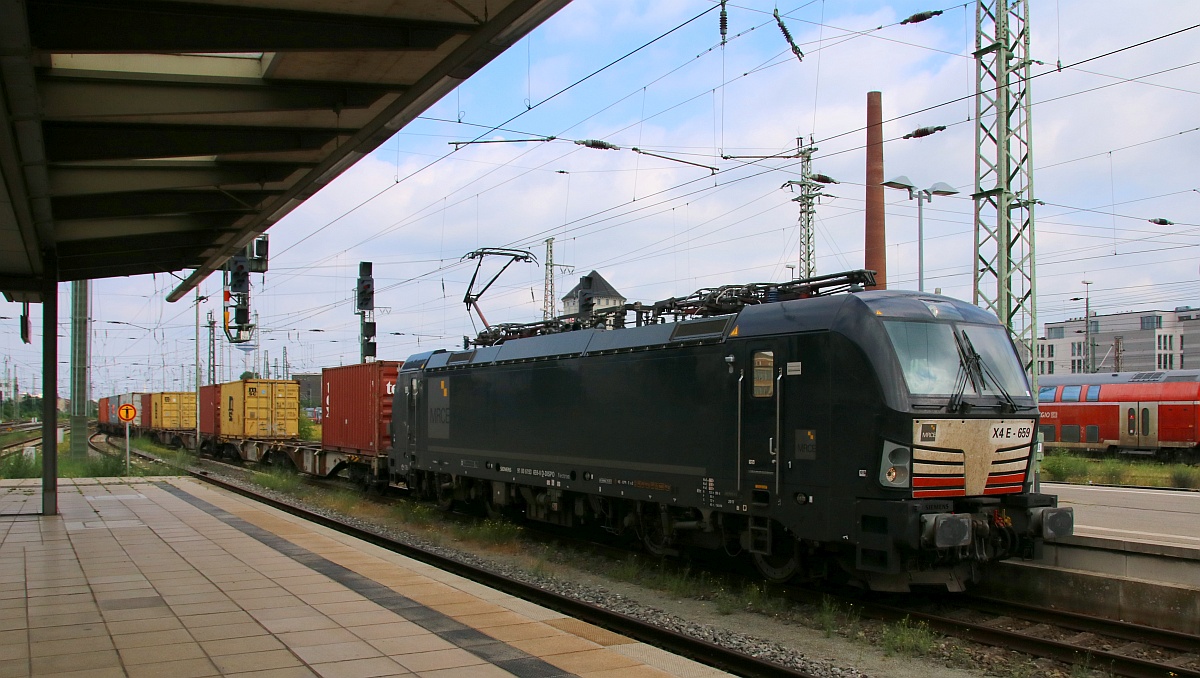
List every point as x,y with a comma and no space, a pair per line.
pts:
1006,479
919,494
950,481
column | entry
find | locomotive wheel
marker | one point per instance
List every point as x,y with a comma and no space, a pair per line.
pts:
782,565
653,537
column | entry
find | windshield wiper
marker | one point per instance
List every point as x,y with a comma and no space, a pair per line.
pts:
980,364
966,373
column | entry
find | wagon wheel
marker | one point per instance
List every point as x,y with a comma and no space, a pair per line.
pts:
783,564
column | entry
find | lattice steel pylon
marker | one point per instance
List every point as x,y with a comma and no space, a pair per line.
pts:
1005,281
810,194
548,301
810,191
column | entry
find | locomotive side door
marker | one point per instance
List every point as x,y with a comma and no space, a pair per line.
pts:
759,429
411,392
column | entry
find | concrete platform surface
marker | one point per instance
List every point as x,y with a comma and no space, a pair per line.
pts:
1159,517
170,577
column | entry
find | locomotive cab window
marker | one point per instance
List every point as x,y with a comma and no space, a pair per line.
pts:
764,374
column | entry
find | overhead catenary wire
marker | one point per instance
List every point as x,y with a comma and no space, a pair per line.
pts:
1039,220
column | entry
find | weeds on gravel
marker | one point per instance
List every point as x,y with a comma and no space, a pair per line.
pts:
1112,471
343,501
831,617
542,562
19,466
827,615
413,513
1183,475
759,598
909,638
491,532
278,480
1086,669
627,569
1064,467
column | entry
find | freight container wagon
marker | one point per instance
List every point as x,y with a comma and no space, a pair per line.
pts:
102,412
356,418
210,409
173,411
260,409
136,399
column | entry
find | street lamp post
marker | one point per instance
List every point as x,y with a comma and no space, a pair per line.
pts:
922,196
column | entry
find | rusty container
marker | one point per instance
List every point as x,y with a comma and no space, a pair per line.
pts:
145,418
102,410
356,407
210,409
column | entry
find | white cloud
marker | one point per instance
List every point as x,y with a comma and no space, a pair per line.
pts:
688,229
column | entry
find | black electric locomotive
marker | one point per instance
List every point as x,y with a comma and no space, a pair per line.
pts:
881,437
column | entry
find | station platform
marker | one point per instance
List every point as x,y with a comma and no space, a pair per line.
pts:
168,576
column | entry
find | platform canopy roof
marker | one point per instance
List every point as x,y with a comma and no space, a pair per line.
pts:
145,136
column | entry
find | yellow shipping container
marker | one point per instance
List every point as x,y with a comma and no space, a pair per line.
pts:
260,408
171,411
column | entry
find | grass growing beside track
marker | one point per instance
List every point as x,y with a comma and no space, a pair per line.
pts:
1062,466
20,466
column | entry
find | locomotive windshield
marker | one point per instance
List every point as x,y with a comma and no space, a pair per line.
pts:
932,357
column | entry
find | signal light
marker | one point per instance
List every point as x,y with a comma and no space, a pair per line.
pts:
364,297
239,275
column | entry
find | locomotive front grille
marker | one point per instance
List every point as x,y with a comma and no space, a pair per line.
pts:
970,457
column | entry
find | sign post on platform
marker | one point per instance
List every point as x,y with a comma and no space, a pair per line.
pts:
127,413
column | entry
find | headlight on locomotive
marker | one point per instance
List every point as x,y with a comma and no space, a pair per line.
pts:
895,468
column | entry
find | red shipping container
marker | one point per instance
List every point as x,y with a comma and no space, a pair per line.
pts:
144,417
102,411
210,408
356,404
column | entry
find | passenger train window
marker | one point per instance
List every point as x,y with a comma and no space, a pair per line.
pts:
1048,431
1070,394
1070,433
1145,421
1046,394
764,374
1093,394
1091,433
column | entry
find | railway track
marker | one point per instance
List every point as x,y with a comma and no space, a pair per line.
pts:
1115,647
1112,646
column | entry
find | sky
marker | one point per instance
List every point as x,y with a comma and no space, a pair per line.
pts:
1115,144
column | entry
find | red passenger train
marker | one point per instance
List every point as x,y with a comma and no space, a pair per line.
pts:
1140,413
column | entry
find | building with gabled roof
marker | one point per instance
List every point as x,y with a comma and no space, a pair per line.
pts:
604,295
